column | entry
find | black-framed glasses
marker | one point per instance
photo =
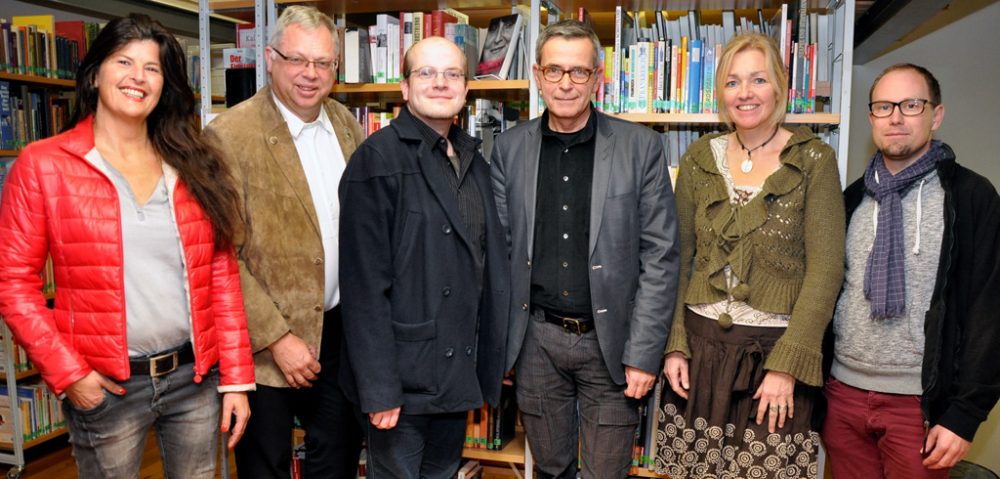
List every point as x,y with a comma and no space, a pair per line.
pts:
299,62
908,107
430,73
555,74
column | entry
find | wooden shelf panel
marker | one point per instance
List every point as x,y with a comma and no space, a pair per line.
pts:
20,374
648,473
38,440
215,98
9,153
512,454
712,118
37,80
368,93
474,85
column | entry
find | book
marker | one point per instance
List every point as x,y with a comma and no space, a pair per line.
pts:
7,141
438,19
41,48
239,58
466,469
246,35
75,31
499,47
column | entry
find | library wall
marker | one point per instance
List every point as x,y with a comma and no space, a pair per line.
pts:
963,58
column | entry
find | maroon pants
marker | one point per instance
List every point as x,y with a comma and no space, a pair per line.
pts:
874,435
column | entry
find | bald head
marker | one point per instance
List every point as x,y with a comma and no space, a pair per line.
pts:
431,47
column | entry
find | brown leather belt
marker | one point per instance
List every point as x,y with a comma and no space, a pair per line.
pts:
161,364
578,326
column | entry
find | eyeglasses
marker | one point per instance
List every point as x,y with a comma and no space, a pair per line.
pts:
428,74
299,62
578,75
908,107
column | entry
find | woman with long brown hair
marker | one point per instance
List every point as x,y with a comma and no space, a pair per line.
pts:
137,214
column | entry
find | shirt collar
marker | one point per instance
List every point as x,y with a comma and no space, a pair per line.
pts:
296,125
572,138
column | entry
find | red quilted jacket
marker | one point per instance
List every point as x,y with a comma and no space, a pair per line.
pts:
56,202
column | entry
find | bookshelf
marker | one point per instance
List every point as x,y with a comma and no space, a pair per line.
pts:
49,89
36,106
827,119
20,375
474,86
513,453
37,80
12,452
58,432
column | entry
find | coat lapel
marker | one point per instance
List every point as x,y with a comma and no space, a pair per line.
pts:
281,147
344,135
532,148
434,176
604,145
406,126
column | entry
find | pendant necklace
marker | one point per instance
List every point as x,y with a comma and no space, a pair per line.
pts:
747,164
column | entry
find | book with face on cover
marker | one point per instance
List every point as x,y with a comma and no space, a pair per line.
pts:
499,47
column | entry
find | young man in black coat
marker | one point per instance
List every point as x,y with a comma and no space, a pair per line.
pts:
425,311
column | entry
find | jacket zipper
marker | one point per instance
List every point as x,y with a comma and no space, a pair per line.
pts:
949,237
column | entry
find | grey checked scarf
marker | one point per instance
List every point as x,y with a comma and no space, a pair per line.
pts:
885,274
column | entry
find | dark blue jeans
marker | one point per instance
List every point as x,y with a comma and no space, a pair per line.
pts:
108,440
419,447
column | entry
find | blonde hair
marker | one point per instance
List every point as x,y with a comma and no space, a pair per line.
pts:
775,73
308,18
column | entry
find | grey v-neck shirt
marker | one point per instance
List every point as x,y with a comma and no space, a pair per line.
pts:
156,306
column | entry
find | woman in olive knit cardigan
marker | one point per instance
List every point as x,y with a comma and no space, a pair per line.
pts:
762,256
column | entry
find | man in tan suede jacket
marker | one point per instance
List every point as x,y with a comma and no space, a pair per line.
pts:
288,147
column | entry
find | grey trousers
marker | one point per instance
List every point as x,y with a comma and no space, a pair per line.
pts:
568,398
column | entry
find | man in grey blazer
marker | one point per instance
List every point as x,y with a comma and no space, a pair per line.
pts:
589,212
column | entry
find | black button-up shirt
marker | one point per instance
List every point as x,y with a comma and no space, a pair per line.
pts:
470,203
560,275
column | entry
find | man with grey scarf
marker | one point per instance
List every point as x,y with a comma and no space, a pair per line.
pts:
912,374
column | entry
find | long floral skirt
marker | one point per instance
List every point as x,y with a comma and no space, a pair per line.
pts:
714,434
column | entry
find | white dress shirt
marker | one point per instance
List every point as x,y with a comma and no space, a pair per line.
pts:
323,162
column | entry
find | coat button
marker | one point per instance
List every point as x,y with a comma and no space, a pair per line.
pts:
524,307
446,229
273,140
317,308
446,291
449,352
317,261
468,351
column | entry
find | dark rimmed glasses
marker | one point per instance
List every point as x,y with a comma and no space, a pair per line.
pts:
555,74
907,107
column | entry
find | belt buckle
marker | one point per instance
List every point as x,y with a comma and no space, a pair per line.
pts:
576,323
154,364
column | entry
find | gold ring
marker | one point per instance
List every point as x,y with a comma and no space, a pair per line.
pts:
773,408
782,407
